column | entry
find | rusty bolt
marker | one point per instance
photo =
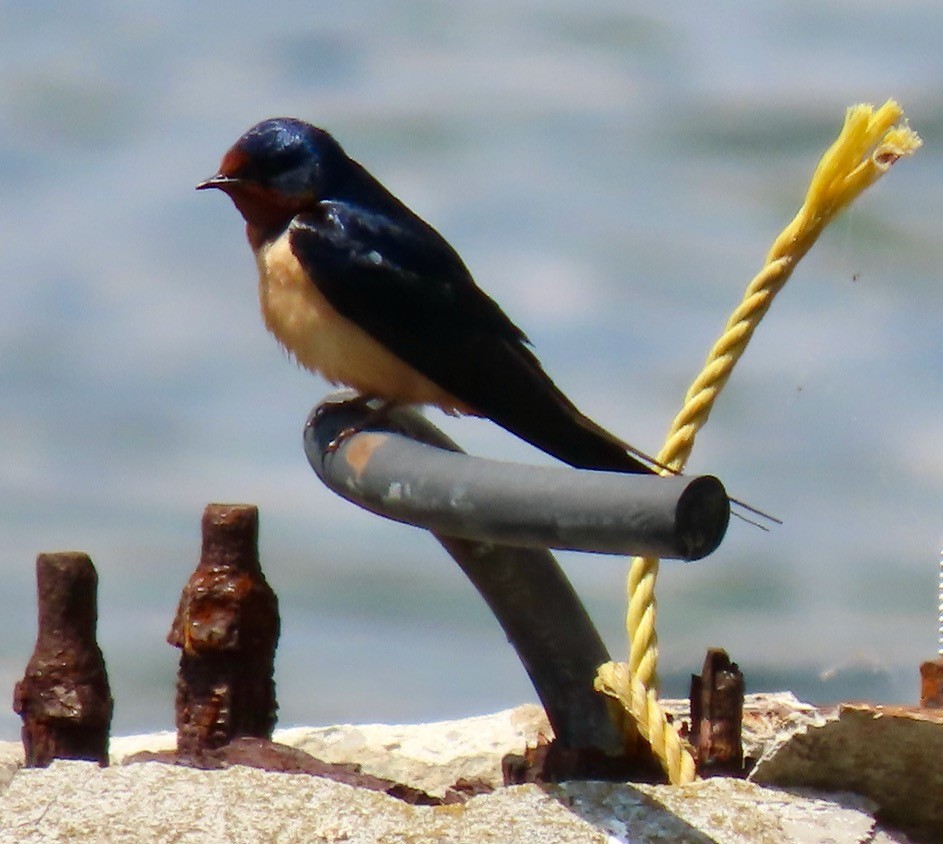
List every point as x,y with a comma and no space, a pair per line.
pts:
226,627
717,716
64,698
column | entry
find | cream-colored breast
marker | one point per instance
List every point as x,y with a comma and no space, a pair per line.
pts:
327,343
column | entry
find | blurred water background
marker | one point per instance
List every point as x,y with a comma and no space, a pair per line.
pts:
613,173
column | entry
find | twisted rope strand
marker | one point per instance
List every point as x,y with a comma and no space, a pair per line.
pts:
843,173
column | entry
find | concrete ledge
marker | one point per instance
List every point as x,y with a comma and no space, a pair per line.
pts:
153,802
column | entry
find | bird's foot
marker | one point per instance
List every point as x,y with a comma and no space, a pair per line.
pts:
371,417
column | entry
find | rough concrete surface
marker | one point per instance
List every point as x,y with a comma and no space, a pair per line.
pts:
153,802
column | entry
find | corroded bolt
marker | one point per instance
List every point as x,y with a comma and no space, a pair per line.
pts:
226,627
64,698
717,716
931,684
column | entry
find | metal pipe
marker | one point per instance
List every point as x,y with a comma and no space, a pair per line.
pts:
496,521
551,632
388,467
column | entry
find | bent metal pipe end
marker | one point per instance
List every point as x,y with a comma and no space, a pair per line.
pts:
386,465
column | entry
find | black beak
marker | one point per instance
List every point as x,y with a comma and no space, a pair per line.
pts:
218,181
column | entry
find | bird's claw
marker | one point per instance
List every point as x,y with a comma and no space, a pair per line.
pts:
371,416
341,438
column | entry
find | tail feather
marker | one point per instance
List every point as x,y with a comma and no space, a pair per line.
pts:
505,382
514,391
565,433
510,387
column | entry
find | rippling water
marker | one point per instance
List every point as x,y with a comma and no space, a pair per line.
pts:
613,173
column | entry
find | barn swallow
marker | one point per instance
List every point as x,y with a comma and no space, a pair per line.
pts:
362,291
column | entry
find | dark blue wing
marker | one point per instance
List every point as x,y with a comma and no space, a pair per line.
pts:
396,278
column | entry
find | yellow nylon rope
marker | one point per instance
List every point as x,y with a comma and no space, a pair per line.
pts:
865,149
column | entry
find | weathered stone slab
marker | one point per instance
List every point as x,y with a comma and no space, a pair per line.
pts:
892,755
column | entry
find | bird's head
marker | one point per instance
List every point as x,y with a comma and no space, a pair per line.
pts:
277,169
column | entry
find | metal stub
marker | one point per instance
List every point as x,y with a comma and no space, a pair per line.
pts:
64,697
717,716
931,684
227,628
